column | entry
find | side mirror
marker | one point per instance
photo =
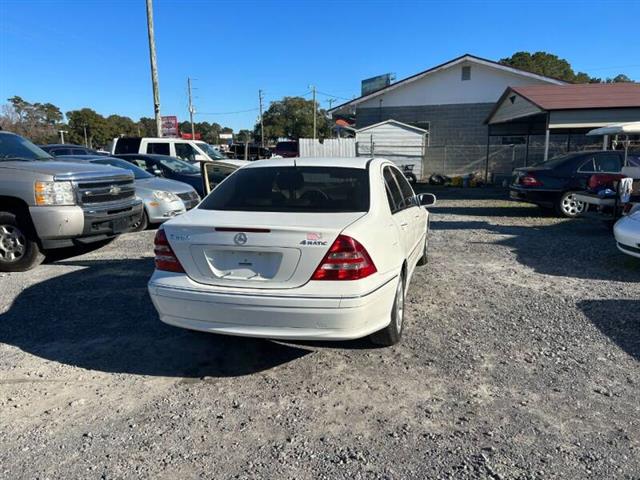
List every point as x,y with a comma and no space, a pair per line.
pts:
199,158
427,199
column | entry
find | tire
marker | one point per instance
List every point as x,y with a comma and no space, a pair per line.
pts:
142,224
424,259
568,207
19,249
392,333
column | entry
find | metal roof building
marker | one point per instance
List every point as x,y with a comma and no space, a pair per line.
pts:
562,109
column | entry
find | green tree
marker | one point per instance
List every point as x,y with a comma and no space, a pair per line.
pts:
98,132
146,127
37,121
292,117
550,65
118,125
547,64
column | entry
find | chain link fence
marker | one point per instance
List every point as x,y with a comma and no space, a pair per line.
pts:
453,160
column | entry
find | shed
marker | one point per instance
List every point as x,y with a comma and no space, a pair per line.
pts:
563,109
399,142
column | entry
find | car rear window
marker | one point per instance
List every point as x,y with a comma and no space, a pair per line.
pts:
127,145
292,189
287,147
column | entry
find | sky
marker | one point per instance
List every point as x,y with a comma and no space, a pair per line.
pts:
94,53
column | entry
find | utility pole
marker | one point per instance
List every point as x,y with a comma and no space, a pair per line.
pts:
154,68
62,132
315,129
260,97
191,110
331,100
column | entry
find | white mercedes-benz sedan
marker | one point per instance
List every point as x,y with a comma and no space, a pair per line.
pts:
305,249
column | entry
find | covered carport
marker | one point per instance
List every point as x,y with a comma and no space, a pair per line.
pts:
568,110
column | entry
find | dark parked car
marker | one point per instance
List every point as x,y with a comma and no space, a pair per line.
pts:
287,149
168,167
552,184
256,152
59,149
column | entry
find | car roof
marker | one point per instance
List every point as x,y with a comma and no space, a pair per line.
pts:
152,156
89,157
65,145
343,162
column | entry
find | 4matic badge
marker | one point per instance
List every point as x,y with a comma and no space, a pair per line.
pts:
314,239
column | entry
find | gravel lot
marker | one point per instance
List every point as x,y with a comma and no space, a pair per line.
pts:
520,360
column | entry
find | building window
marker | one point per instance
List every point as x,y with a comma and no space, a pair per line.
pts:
466,73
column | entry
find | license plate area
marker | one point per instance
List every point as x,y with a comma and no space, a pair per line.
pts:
244,264
119,225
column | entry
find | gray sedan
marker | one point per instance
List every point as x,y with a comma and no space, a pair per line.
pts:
163,198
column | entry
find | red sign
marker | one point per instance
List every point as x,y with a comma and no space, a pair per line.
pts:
170,126
187,136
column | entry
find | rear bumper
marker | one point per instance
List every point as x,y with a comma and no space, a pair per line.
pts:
627,234
270,315
545,198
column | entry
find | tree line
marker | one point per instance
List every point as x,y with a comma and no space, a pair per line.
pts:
42,122
550,65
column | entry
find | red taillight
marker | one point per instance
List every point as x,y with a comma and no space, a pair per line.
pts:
530,181
347,259
165,258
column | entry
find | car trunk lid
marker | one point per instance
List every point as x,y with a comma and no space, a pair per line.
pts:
254,250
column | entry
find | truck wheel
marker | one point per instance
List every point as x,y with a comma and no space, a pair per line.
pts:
19,249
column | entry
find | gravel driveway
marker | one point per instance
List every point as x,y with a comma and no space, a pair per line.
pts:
520,360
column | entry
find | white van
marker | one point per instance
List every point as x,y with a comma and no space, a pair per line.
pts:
190,150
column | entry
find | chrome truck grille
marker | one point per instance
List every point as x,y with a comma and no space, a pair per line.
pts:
104,189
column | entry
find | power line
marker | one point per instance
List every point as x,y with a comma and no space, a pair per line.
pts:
331,95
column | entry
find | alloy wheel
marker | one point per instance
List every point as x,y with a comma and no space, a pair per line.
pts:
13,243
570,206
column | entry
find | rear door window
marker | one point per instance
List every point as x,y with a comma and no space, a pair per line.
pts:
588,166
394,195
607,162
408,195
158,148
292,189
60,151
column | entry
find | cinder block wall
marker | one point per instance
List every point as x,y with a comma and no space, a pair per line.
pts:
456,124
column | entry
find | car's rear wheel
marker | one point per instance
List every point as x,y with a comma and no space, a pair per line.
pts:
19,249
569,207
391,334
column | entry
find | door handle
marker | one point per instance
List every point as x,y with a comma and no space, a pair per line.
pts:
404,225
